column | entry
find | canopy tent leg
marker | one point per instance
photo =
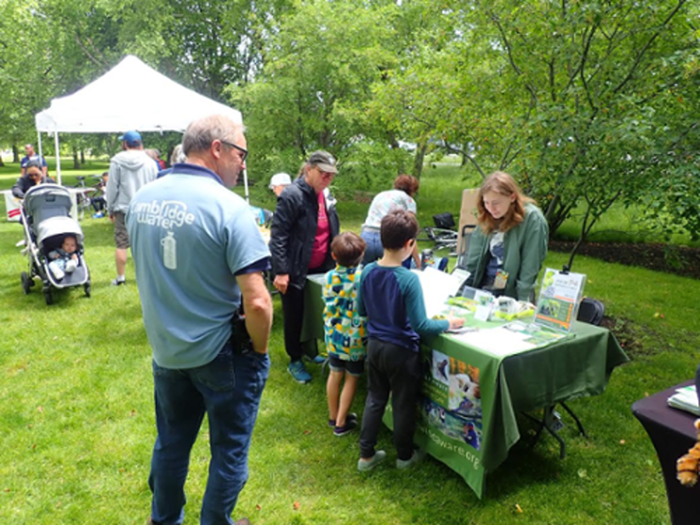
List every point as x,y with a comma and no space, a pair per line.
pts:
58,158
245,185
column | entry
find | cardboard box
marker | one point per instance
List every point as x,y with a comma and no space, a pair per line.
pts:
467,217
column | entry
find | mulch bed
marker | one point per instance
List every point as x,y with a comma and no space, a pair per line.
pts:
678,260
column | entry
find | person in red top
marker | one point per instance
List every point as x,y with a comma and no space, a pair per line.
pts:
303,227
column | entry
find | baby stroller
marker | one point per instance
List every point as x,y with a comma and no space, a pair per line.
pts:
47,221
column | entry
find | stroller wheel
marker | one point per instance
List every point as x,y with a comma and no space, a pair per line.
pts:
47,295
26,283
87,289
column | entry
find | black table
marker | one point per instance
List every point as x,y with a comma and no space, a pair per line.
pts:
672,434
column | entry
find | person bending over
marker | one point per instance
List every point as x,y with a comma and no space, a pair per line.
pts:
400,198
34,176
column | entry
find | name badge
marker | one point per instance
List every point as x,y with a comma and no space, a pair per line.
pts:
499,283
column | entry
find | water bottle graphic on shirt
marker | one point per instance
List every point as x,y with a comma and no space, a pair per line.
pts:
170,251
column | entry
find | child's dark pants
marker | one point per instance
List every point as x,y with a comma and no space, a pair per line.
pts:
396,370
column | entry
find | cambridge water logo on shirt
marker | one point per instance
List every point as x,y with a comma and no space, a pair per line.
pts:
168,214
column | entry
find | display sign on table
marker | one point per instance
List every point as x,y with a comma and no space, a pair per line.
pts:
559,299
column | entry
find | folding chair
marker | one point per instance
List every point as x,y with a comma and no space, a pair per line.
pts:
467,225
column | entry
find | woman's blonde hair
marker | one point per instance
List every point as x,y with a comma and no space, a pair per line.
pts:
503,184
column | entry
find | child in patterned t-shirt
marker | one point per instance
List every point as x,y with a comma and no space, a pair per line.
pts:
345,333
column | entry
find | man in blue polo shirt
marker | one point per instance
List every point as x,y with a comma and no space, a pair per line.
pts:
199,256
30,154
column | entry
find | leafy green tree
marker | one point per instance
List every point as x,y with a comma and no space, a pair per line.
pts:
587,88
318,73
25,70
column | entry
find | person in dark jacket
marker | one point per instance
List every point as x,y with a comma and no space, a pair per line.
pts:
34,176
303,227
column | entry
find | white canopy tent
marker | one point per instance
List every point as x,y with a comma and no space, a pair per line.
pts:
131,96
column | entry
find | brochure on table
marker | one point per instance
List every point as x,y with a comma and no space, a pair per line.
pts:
437,287
498,336
510,339
486,317
685,398
559,299
319,278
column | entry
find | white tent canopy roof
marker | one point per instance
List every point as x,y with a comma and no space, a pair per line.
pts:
129,96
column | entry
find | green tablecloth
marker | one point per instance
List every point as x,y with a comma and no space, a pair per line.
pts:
467,418
312,326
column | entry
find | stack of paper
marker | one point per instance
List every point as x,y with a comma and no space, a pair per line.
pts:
685,398
437,287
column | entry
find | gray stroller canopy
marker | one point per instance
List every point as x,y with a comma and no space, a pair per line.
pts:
58,226
47,200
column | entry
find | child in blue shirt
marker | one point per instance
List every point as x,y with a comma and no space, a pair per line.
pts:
345,333
391,297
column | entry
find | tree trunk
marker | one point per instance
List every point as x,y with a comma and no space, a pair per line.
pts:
76,161
15,154
2,164
419,159
82,157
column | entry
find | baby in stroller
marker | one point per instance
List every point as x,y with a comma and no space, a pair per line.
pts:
64,259
54,241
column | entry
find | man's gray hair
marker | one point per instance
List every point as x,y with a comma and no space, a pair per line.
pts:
201,133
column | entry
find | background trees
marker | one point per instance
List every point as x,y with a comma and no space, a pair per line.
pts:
591,85
587,102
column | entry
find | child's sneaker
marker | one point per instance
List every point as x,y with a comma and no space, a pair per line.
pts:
57,273
118,281
417,456
350,417
71,265
299,373
350,425
365,465
98,215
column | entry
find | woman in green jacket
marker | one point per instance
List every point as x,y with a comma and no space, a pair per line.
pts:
509,246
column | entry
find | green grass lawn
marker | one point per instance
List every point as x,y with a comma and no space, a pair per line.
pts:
77,422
